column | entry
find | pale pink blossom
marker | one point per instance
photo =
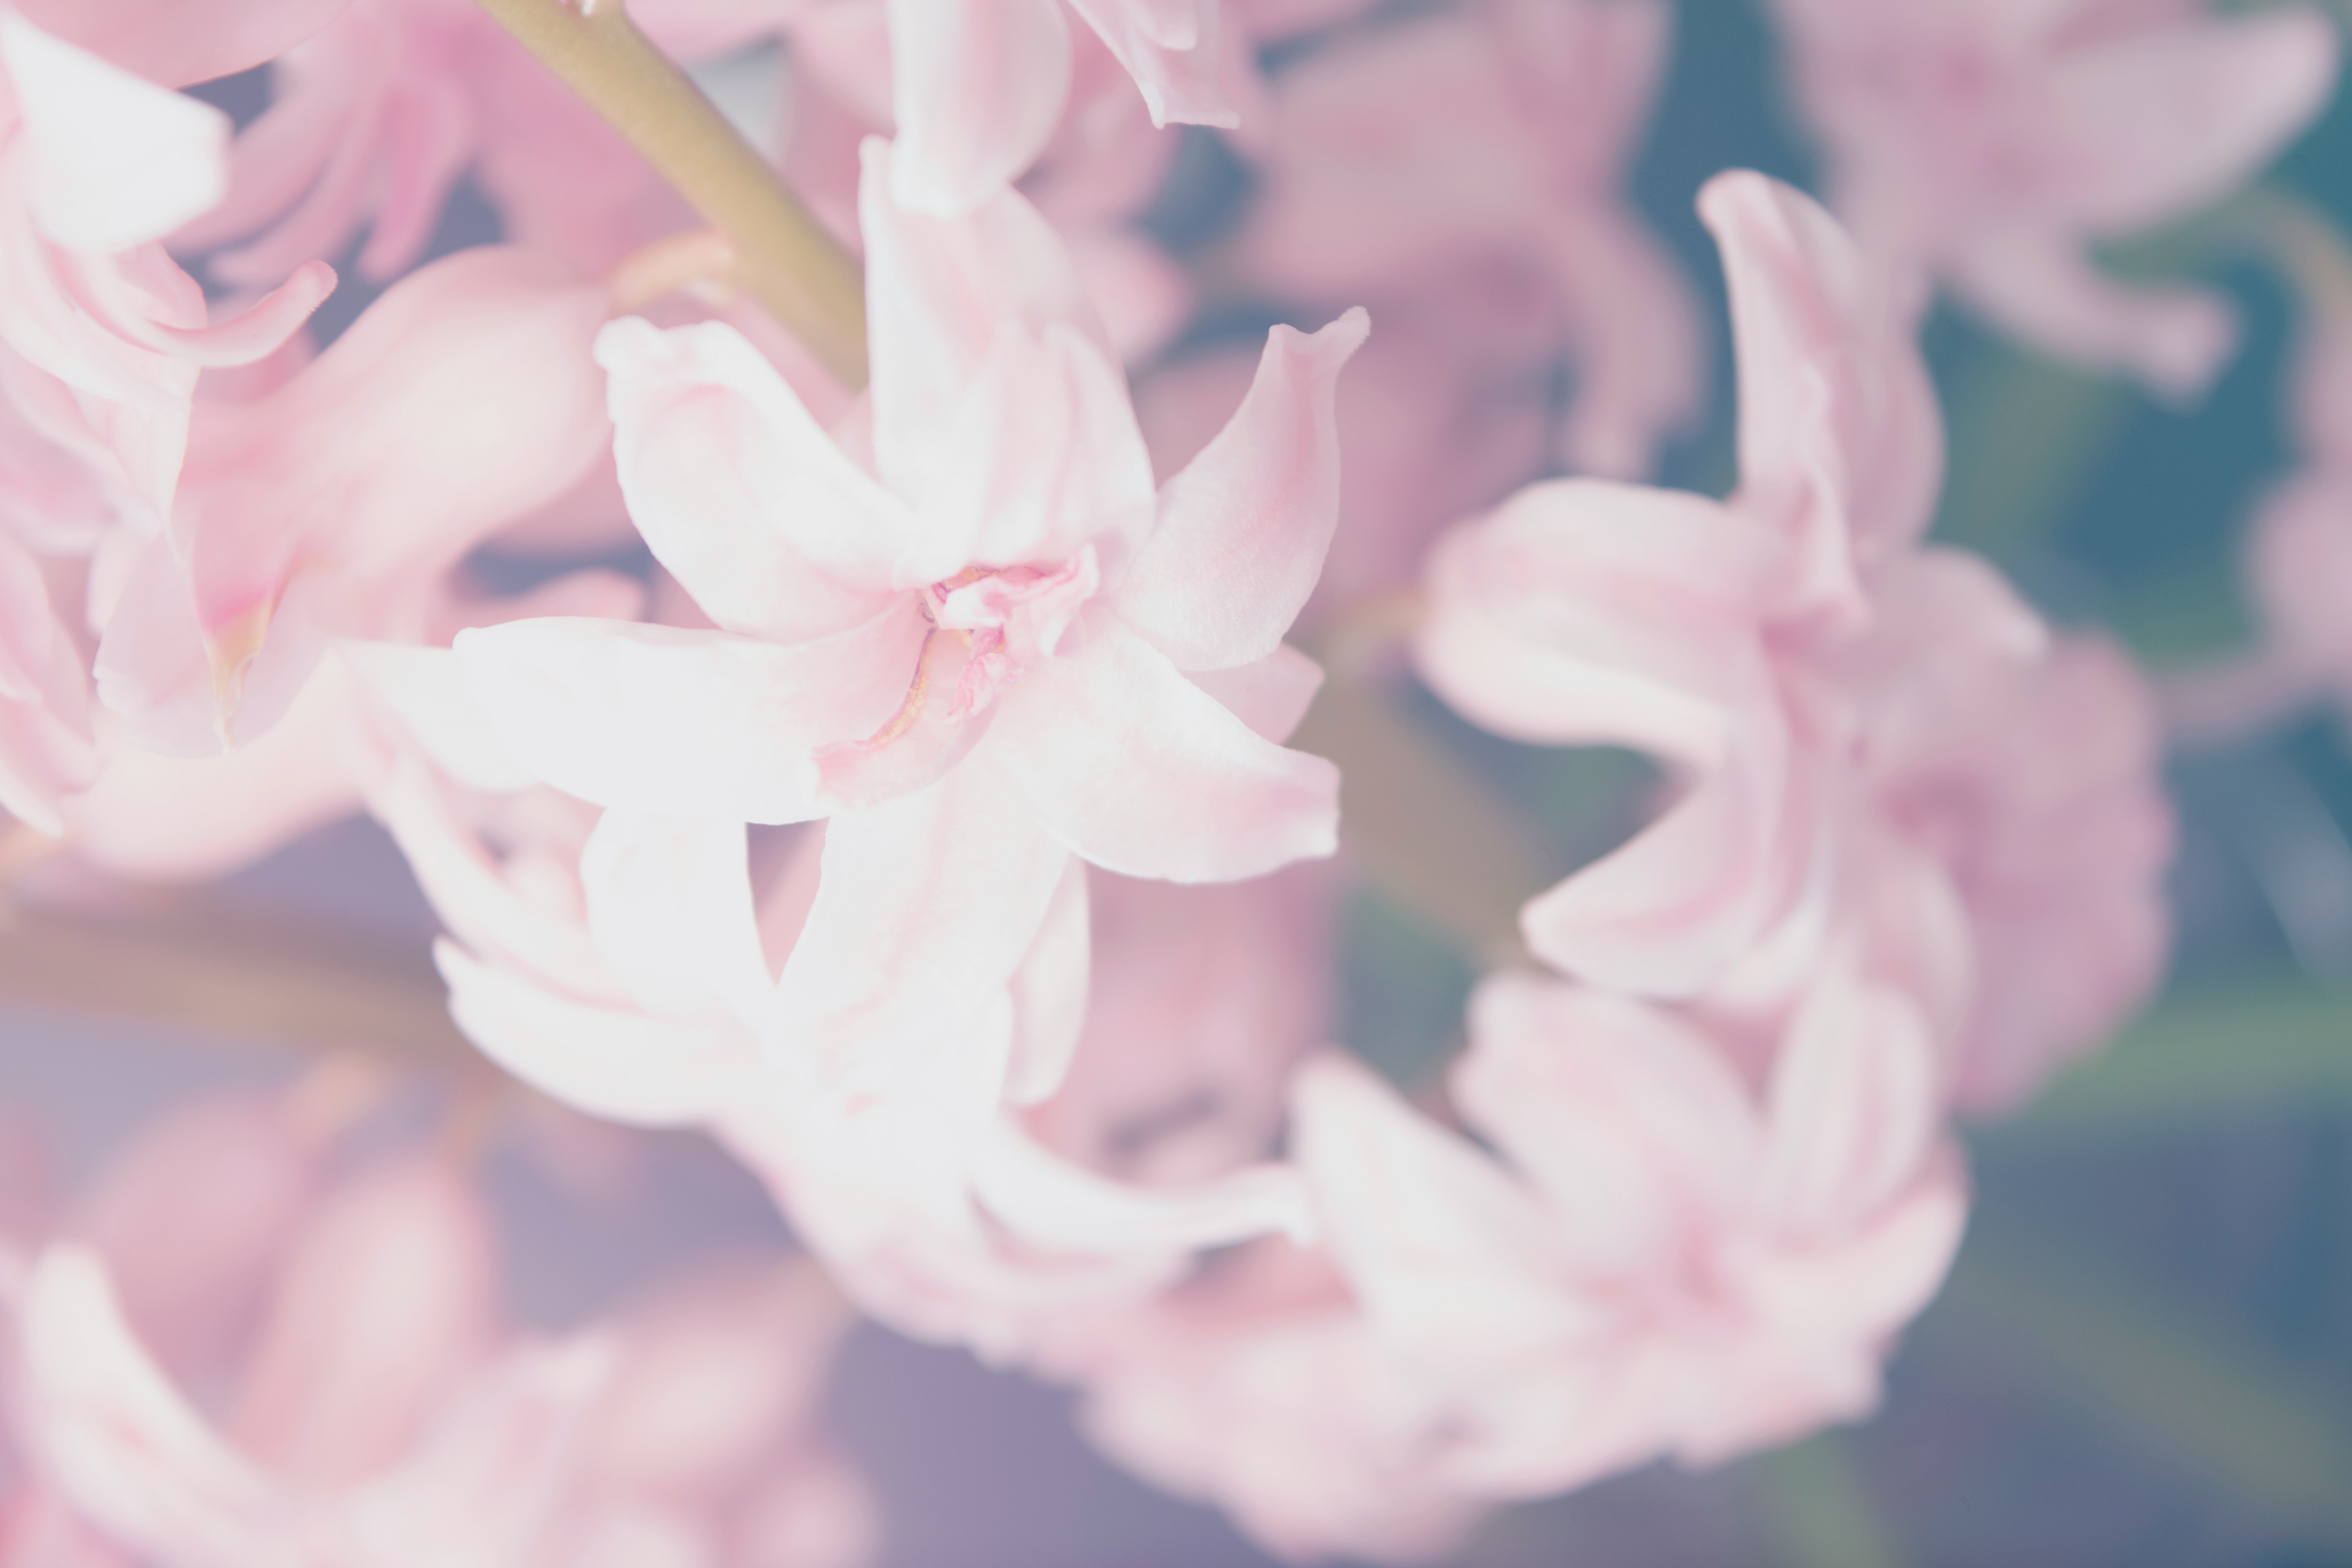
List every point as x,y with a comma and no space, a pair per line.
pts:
104,334
227,1355
1263,1389
1660,1258
375,119
704,1450
370,1420
1841,708
995,649
335,505
1989,147
1400,157
179,42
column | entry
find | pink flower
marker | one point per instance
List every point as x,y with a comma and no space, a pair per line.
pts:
1664,1260
1837,702
1262,1388
104,335
226,1358
1396,156
371,1421
978,86
1989,147
334,506
704,1450
376,117
179,42
1001,651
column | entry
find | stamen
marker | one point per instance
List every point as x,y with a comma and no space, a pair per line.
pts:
912,708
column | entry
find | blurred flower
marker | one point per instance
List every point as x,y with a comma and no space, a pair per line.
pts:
1399,158
1989,147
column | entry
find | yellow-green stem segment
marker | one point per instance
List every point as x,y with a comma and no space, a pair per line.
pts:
784,257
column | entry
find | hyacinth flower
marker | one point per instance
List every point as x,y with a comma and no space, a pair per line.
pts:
627,967
105,334
1832,693
1988,148
1672,1264
1528,113
226,1354
285,538
995,650
978,86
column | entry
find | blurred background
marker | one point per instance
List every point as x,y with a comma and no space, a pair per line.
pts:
2145,1354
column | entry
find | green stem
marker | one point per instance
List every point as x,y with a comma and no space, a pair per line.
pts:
784,257
1816,1513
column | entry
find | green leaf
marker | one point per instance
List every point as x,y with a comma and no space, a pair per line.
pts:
2202,1057
1815,1512
2172,1383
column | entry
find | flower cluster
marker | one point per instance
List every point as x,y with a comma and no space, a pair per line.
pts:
886,770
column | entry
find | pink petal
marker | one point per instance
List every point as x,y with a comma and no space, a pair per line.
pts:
1855,1104
483,1488
386,1302
926,907
670,905
1140,772
121,1443
1049,994
1585,612
938,295
1631,1123
1669,912
192,1217
427,691
685,723
179,42
1841,441
1049,1201
1641,372
752,507
1244,529
481,358
1448,1256
2045,290
179,818
117,162
2168,119
617,1065
474,899
1271,695
1171,49
1044,457
980,86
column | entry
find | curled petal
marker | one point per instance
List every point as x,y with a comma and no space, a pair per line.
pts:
117,162
1049,994
1046,1200
939,292
620,1066
755,511
1446,1251
979,87
925,908
1244,529
2161,122
1140,772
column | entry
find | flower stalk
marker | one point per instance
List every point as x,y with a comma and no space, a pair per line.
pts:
783,256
